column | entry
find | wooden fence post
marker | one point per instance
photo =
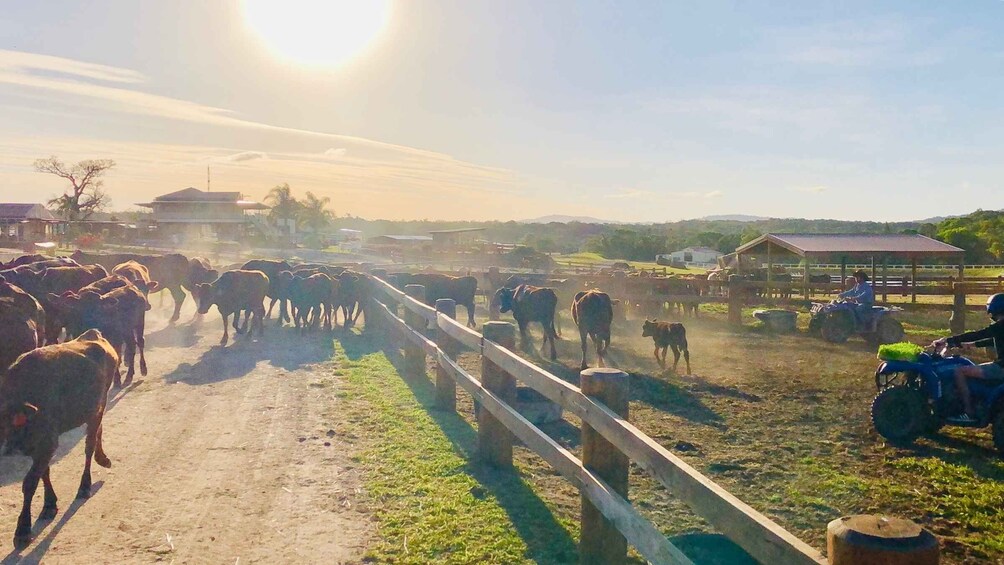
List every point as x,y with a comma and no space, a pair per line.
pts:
372,318
414,356
877,539
494,439
600,541
735,300
957,322
446,389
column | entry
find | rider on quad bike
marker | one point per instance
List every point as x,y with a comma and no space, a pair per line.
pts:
862,295
992,335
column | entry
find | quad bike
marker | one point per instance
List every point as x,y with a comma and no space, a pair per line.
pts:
838,320
918,397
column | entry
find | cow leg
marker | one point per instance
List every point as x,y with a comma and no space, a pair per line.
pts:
551,335
658,359
22,534
582,339
676,356
226,334
141,343
100,457
598,344
470,314
90,441
686,355
130,360
49,507
271,305
179,298
284,310
260,320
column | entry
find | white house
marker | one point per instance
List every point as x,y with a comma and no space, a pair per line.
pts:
695,255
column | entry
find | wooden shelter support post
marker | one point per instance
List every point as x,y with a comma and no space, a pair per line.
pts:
957,323
885,279
414,355
913,280
446,388
494,439
600,541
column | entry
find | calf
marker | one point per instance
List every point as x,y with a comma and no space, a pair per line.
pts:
120,315
665,335
529,304
233,292
49,391
349,295
593,312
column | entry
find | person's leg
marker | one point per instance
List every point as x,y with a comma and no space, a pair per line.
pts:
961,376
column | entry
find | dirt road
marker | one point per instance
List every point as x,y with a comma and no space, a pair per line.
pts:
220,455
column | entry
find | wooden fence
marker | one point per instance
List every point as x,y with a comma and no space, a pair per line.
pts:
609,440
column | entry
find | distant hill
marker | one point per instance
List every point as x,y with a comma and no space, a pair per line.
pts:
567,219
734,218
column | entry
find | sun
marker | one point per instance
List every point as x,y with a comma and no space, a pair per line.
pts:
318,33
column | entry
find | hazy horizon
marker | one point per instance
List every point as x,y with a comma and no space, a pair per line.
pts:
475,110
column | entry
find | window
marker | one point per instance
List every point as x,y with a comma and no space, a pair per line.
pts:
688,257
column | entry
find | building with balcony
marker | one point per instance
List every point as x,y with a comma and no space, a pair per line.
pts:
193,214
26,223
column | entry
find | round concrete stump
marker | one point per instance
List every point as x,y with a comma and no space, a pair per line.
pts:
879,540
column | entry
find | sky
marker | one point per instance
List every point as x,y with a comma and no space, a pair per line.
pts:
513,109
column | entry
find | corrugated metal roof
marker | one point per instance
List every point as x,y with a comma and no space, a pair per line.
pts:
191,194
811,244
19,211
458,230
403,237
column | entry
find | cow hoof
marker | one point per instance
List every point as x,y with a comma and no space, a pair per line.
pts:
22,541
48,513
103,460
127,382
83,493
223,343
583,367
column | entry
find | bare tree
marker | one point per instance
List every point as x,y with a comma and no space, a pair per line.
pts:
85,196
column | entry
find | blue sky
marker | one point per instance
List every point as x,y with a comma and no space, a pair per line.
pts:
632,111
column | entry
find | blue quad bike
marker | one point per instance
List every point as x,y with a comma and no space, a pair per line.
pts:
838,320
917,397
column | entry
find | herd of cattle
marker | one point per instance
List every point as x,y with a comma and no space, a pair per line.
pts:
71,322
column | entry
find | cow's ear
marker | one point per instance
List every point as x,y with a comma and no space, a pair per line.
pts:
22,415
152,286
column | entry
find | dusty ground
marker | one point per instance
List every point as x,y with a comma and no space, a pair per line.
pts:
219,456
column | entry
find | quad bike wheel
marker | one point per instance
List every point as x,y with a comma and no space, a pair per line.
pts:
900,414
888,330
837,327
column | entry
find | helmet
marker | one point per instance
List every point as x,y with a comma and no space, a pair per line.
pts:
995,304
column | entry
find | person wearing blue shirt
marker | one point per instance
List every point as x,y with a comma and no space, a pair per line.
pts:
862,295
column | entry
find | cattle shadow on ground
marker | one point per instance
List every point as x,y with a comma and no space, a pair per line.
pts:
40,526
173,335
672,398
243,355
545,538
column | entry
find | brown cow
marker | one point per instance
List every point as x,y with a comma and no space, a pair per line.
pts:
22,260
461,289
529,304
120,314
57,280
233,292
21,333
308,296
593,312
665,335
23,302
49,391
168,270
139,275
276,292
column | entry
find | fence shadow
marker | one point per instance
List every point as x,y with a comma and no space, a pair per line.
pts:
546,540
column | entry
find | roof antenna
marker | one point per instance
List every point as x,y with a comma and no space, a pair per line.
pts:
208,180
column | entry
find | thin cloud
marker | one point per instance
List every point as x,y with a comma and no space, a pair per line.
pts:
22,62
336,153
631,193
245,156
809,189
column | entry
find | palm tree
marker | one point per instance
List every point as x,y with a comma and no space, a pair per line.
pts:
285,208
313,213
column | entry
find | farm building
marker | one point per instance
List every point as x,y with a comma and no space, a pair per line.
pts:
461,236
195,214
400,241
695,255
26,223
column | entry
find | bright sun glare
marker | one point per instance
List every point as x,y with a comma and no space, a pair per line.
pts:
323,33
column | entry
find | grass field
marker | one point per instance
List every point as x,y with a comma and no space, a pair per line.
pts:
780,421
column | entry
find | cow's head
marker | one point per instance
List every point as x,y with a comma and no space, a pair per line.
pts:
14,423
205,296
648,328
503,299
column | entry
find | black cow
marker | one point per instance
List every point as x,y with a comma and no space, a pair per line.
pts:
666,335
530,304
593,312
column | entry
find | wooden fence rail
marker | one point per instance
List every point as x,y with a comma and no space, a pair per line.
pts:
758,535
